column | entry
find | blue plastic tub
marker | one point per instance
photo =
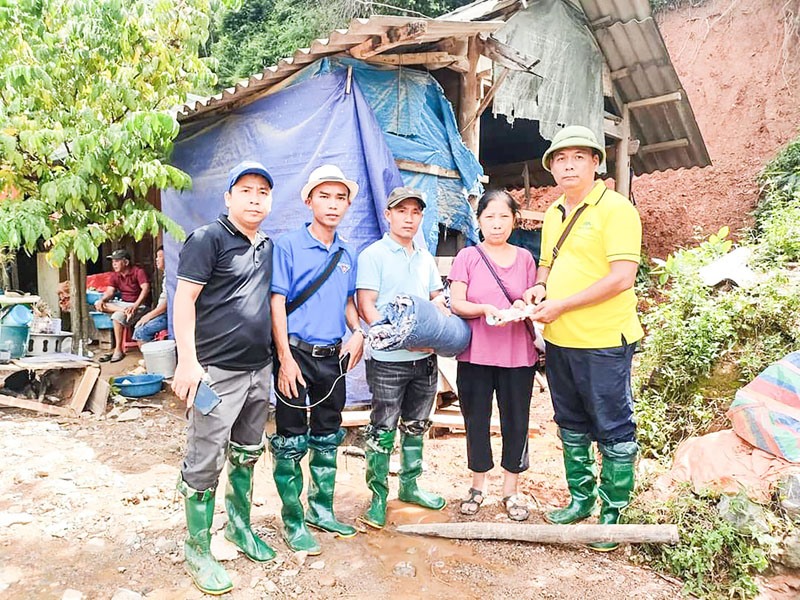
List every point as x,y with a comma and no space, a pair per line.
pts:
92,297
101,320
139,386
14,338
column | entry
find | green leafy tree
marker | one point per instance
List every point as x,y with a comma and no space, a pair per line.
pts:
258,33
85,124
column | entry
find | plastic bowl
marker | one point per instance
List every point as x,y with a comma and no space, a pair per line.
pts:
139,386
93,296
101,320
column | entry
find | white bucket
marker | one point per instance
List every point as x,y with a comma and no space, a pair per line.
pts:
160,357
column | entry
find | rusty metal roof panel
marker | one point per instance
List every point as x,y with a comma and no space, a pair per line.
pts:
641,69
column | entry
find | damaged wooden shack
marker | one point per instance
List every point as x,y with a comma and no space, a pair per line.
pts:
463,102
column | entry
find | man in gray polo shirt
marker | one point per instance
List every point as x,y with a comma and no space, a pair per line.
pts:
403,383
222,322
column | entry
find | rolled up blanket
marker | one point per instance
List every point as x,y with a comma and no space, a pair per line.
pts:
412,322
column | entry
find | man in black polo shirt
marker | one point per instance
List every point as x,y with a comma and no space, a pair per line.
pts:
222,323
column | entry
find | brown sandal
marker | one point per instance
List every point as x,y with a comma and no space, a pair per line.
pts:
472,503
516,508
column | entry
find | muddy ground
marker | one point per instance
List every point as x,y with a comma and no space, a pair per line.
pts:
89,505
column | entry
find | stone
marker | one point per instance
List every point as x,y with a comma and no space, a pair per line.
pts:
222,549
130,415
300,557
10,574
404,569
8,518
790,551
746,516
289,573
70,594
317,565
165,546
270,586
126,594
789,496
326,580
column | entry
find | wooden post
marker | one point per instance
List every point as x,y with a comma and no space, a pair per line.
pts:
470,101
83,329
549,534
623,166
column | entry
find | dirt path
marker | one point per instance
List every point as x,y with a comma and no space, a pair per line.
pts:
93,509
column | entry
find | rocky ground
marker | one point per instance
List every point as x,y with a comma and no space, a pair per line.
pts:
88,510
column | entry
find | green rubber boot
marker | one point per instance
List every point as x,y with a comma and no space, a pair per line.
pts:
579,463
207,574
287,452
616,485
410,470
322,465
238,500
378,451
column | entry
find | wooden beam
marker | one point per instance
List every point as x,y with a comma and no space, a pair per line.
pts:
418,167
612,128
644,102
507,56
664,146
622,171
532,215
84,388
548,534
429,59
468,101
487,99
36,406
391,38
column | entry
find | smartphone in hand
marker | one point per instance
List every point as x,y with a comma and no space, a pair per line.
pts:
206,399
344,363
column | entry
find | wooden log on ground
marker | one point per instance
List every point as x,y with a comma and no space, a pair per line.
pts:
549,534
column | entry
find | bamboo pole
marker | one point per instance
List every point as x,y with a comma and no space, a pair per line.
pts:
549,534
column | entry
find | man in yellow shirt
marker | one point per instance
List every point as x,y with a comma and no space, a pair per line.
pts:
591,240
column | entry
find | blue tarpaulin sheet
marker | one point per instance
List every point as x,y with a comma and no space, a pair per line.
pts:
419,125
291,132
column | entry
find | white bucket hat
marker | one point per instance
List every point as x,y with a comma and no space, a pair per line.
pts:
325,174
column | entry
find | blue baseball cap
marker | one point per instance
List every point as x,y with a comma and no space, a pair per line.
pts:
248,167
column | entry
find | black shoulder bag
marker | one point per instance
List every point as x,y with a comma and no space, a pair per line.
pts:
528,324
316,284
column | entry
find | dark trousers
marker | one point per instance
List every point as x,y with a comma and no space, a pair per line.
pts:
401,390
591,391
322,376
513,388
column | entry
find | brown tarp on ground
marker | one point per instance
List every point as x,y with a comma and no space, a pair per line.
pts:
724,462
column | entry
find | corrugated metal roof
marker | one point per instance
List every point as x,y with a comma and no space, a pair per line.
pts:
637,56
625,32
641,68
340,40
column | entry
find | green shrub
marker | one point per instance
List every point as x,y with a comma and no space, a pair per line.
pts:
713,558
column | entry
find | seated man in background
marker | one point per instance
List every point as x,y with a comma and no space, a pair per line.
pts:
154,321
134,289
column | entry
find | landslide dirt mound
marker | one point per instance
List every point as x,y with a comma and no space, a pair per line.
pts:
739,63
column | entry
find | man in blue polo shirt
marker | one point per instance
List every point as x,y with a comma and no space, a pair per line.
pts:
221,316
403,383
311,359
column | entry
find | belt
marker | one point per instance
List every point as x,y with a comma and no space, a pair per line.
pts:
316,350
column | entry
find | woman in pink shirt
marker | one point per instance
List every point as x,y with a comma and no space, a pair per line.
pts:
484,280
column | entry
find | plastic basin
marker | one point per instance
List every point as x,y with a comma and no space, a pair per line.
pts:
101,320
139,386
93,296
14,338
